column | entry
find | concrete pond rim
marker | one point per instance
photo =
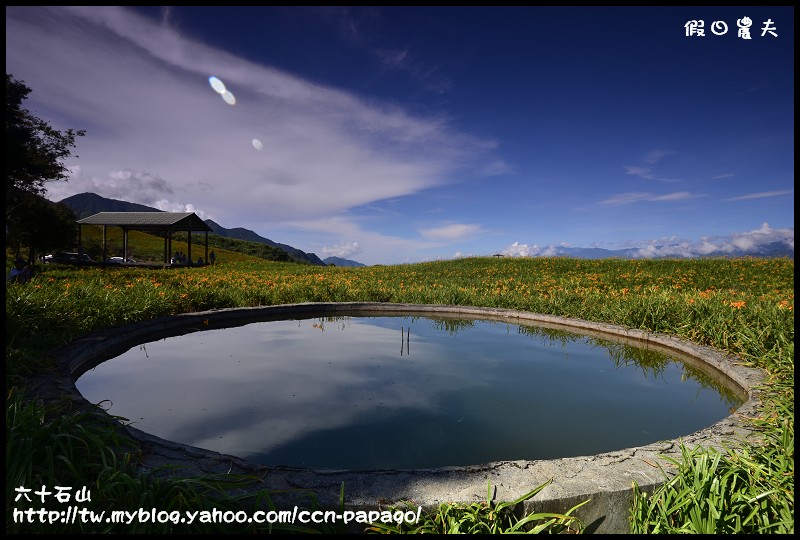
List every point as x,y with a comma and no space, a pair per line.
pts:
605,480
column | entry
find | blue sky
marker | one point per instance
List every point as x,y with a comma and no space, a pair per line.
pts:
403,134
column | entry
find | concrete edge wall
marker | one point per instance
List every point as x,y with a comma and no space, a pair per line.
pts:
605,480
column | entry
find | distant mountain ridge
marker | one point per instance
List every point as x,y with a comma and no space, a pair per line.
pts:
87,204
770,250
338,261
240,233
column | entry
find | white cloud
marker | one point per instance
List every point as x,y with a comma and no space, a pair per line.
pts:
646,171
521,250
497,168
628,198
682,250
766,234
524,250
761,195
453,232
656,155
381,248
122,183
704,247
157,133
343,250
676,196
747,242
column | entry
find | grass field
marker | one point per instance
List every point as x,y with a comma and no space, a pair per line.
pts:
741,306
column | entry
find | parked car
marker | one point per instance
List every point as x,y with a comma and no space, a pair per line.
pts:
67,257
119,260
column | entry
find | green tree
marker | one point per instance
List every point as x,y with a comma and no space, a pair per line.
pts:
51,227
34,154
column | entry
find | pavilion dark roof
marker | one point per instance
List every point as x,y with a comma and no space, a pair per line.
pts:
148,220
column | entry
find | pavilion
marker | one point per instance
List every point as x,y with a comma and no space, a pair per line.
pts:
165,223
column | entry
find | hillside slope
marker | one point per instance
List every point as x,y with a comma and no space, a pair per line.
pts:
87,204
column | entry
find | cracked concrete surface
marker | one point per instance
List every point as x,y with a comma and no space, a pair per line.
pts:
604,479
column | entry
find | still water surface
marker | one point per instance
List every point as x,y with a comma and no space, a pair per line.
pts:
403,392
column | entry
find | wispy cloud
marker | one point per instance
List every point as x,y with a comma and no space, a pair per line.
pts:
638,170
655,156
175,144
452,232
761,195
348,26
630,198
648,161
426,75
360,31
755,87
722,176
497,168
329,230
393,58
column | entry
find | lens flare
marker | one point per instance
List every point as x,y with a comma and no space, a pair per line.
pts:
228,97
217,85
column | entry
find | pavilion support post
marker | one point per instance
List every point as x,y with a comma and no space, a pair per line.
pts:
125,245
166,253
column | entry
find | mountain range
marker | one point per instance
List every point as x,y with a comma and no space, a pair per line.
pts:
87,204
338,261
768,250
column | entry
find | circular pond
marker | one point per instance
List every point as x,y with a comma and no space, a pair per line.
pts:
364,390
